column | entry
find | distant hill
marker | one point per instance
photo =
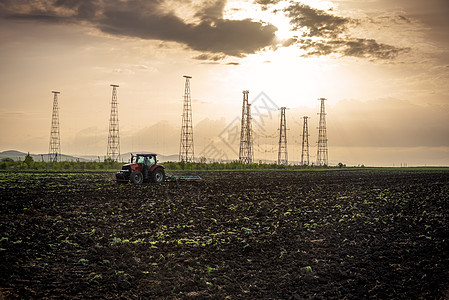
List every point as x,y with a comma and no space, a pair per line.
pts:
12,154
17,155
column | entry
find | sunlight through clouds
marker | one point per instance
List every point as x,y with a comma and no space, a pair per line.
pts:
239,10
354,53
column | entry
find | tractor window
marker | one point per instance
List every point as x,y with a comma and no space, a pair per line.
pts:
140,159
152,160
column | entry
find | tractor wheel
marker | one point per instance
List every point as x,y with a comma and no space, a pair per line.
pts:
158,175
136,177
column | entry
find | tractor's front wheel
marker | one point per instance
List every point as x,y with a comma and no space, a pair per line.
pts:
136,177
158,175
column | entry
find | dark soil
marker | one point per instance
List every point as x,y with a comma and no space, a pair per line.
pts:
349,234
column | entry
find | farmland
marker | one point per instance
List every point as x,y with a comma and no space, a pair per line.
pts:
360,233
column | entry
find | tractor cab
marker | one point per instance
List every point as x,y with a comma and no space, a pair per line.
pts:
143,167
147,159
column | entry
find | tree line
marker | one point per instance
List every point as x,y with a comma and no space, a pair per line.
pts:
108,164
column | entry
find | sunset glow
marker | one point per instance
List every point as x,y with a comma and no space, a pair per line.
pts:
382,65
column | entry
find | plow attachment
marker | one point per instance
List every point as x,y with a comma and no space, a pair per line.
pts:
171,177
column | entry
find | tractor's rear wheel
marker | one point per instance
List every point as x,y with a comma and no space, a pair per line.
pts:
158,175
136,177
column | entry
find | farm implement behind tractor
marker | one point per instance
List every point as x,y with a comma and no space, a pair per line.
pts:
183,178
144,168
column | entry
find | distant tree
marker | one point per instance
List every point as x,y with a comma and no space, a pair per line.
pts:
182,164
29,161
341,165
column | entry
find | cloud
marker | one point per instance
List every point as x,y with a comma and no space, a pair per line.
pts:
148,20
211,10
52,11
266,3
356,47
371,48
210,57
323,34
317,23
318,32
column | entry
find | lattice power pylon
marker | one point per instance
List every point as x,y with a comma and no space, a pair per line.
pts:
54,152
305,143
246,155
113,151
321,157
186,152
282,153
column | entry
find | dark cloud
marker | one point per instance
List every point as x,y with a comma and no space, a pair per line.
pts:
230,37
266,3
146,20
56,10
213,59
405,19
83,9
317,23
356,47
321,32
325,34
371,48
210,57
289,42
211,10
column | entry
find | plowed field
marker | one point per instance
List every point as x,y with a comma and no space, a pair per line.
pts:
256,235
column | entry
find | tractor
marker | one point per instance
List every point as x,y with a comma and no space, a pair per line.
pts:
143,167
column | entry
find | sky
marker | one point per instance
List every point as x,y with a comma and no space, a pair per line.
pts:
382,65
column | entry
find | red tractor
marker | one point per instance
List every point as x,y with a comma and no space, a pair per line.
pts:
143,167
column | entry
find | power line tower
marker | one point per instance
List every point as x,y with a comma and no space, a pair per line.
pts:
246,143
305,143
113,151
321,157
186,153
282,153
54,152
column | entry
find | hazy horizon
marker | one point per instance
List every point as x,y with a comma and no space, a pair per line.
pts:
383,67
